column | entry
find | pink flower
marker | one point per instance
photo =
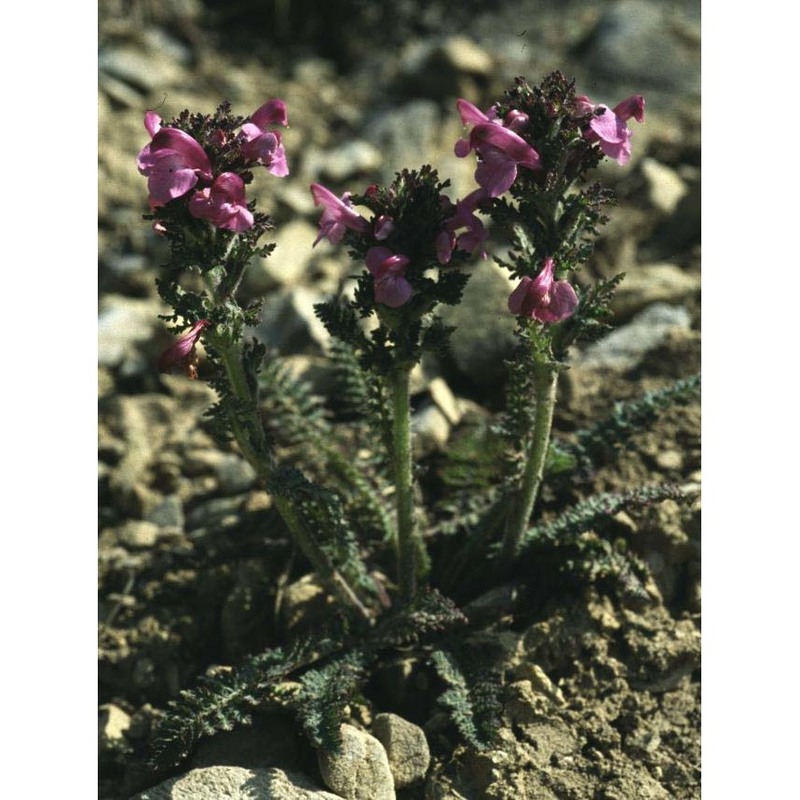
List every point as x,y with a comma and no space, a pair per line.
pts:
516,120
384,227
607,126
262,145
391,287
543,298
173,162
223,204
338,215
182,352
499,148
473,238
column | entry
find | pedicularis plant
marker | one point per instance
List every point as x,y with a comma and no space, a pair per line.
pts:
403,574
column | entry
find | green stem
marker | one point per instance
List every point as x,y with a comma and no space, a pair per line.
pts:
545,379
249,434
401,455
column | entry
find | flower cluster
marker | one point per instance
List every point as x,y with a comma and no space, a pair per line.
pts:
506,139
456,227
176,163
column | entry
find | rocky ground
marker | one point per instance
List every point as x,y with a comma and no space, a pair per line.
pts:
601,695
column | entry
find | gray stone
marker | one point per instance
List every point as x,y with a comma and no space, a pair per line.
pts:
138,534
430,429
466,56
119,91
484,334
406,748
681,230
289,324
233,474
213,515
288,264
113,722
664,187
445,400
297,197
122,324
168,513
360,769
403,133
350,159
304,601
237,783
643,43
669,460
145,71
625,347
437,68
653,283
269,741
318,372
455,54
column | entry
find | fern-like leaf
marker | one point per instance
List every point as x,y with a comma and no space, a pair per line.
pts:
429,613
627,419
583,516
224,700
472,698
326,691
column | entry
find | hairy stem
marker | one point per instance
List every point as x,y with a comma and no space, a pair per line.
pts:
401,457
545,379
249,434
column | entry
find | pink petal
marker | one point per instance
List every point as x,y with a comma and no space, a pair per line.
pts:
544,280
516,300
444,247
470,114
609,127
181,143
563,302
632,107
338,215
240,219
384,226
278,165
463,148
182,347
393,291
273,112
323,196
169,179
512,144
231,185
516,120
620,151
375,258
583,106
152,122
496,172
